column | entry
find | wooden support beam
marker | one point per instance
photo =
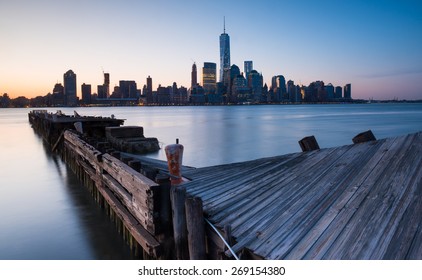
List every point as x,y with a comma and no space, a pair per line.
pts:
309,143
364,137
196,228
178,197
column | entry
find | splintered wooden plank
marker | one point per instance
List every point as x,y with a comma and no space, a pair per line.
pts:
133,181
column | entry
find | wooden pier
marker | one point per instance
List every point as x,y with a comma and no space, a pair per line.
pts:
360,201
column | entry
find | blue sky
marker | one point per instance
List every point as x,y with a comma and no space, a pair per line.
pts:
374,45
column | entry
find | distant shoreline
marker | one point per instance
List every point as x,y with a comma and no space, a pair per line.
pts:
354,101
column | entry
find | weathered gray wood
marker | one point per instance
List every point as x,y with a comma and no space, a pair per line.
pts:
143,237
196,228
178,197
353,202
83,149
133,181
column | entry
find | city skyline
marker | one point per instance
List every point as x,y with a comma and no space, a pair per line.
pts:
372,44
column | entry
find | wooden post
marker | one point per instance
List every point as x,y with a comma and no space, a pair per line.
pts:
178,197
165,205
364,137
309,144
174,153
196,228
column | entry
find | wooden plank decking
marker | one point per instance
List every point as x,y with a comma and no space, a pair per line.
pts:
361,201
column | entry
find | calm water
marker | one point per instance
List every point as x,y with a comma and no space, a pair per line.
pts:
47,214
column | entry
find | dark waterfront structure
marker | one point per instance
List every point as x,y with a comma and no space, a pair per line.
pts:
69,81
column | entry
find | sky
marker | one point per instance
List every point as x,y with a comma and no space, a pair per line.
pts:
374,45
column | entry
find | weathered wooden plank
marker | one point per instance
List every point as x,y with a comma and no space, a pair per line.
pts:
141,211
83,149
280,236
248,230
403,188
343,189
142,236
118,190
231,186
366,202
126,176
345,204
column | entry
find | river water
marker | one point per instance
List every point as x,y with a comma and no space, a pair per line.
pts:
47,214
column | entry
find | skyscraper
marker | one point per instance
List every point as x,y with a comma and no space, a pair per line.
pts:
248,67
69,81
86,93
224,52
150,98
128,89
209,73
194,76
347,91
107,84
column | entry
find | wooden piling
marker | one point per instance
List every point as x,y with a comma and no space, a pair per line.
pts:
196,228
178,197
364,137
309,143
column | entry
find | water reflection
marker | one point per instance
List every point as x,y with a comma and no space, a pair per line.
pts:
46,213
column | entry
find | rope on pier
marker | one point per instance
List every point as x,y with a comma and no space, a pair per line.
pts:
222,238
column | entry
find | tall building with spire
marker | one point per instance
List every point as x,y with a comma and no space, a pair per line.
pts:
224,52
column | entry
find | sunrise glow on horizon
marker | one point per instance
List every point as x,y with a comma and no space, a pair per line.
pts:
374,45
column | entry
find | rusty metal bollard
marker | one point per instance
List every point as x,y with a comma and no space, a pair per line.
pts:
174,153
